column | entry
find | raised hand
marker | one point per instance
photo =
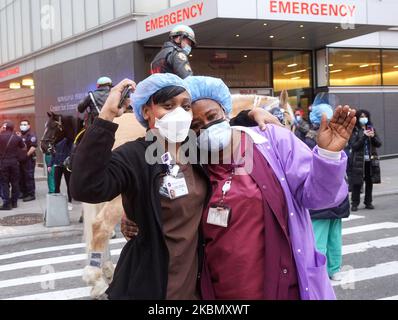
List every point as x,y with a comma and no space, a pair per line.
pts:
111,110
333,136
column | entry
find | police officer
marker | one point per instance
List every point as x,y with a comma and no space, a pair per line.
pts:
95,100
28,165
10,145
173,58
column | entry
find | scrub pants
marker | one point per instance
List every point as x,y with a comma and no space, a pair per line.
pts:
50,176
328,237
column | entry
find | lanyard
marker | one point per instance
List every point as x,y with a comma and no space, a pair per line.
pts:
227,187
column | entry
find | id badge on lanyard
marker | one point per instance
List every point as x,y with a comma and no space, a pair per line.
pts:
219,213
174,185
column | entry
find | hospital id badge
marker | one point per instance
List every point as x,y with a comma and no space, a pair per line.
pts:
219,215
174,187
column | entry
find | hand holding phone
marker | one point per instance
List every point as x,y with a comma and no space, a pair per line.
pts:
125,94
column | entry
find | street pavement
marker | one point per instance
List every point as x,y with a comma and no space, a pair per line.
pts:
50,268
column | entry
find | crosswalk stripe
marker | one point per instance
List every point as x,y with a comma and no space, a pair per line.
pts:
49,261
390,298
364,246
370,227
353,217
41,278
70,294
52,249
362,274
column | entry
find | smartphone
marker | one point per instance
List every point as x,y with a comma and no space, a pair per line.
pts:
125,94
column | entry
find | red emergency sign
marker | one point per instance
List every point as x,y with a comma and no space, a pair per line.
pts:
174,17
312,8
9,72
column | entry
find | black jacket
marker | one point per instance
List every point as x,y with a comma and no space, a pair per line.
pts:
100,96
101,175
357,158
10,154
172,59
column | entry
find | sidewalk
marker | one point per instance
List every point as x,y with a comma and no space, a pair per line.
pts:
13,235
19,234
389,177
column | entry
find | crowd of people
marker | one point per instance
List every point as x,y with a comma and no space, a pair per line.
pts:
211,230
17,164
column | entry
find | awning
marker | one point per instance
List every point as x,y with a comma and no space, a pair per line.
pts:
287,24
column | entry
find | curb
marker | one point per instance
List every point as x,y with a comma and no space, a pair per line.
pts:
385,193
47,233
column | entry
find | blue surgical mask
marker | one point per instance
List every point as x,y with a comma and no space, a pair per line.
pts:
216,137
364,121
187,49
298,118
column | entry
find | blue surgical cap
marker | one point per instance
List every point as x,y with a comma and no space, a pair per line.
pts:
210,88
318,111
148,87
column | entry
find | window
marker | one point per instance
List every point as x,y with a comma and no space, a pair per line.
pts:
238,68
354,67
292,70
390,67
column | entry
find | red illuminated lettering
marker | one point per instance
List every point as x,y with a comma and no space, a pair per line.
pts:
310,8
179,16
314,9
324,9
296,8
186,13
304,8
9,72
334,10
174,17
284,7
343,11
352,9
166,20
273,6
154,24
200,7
193,12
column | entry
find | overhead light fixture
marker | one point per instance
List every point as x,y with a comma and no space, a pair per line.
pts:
292,65
272,37
245,56
331,65
28,82
336,27
393,29
15,85
293,72
32,87
303,38
395,67
301,26
335,71
364,66
237,35
295,78
265,24
191,55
